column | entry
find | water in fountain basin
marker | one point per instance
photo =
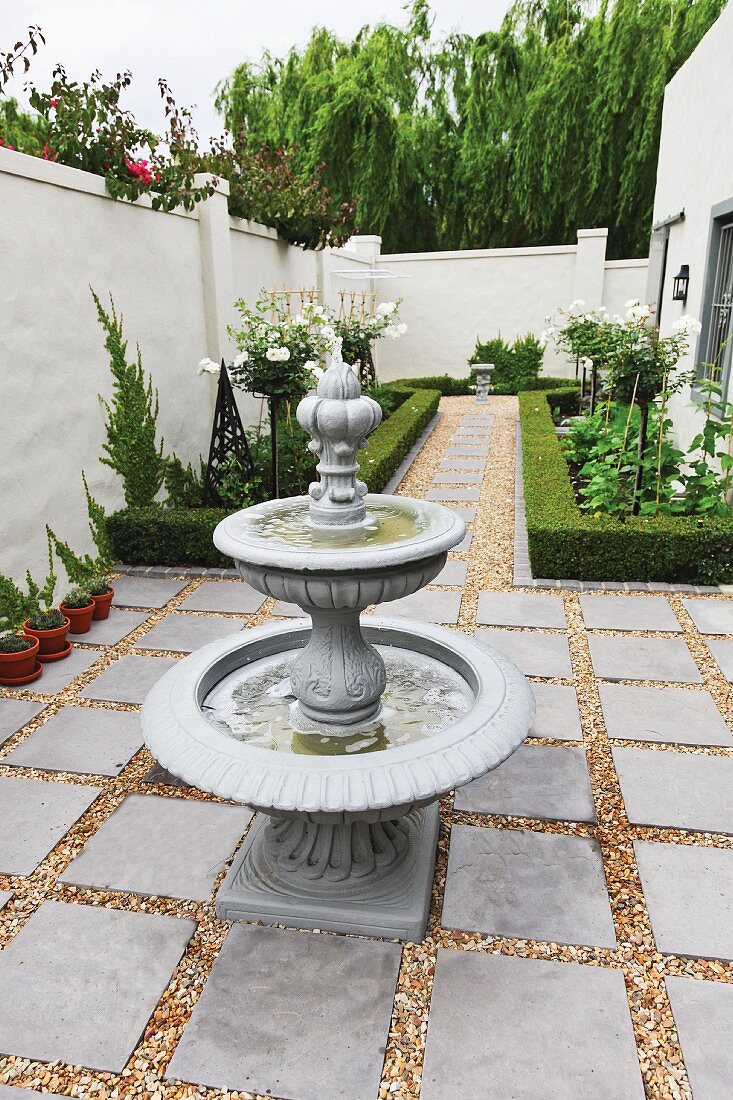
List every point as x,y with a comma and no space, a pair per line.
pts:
286,522
422,698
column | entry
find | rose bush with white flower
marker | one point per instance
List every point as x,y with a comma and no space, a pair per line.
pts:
359,331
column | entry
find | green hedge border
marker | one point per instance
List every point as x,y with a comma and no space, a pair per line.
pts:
183,536
567,543
465,387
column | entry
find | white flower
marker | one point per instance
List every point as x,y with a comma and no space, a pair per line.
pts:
300,320
638,312
328,332
208,366
261,330
241,359
631,303
546,335
278,355
402,328
687,326
576,306
386,309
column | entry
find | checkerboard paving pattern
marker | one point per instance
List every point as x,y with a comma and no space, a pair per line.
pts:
583,895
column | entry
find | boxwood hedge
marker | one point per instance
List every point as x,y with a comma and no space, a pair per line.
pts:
157,535
565,542
462,387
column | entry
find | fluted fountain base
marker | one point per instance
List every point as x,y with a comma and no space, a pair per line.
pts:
364,878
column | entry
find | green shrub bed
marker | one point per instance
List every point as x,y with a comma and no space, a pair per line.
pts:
565,542
157,535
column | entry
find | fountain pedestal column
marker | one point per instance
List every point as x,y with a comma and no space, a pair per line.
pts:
369,878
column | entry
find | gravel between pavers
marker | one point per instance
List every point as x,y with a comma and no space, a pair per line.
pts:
489,567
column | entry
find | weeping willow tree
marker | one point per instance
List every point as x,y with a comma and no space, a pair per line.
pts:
514,137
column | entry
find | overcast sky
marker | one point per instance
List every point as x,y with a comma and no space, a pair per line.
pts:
194,43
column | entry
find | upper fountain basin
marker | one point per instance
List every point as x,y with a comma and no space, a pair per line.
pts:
278,534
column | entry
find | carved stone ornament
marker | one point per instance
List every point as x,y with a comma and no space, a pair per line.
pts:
339,419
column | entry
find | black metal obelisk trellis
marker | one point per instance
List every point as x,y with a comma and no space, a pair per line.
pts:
227,440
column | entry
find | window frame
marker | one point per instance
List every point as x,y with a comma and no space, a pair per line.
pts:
721,217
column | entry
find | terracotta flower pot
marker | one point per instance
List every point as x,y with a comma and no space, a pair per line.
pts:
101,604
52,644
79,617
20,668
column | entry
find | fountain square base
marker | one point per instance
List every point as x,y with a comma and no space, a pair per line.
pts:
391,900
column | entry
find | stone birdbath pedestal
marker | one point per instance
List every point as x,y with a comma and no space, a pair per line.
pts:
482,372
342,732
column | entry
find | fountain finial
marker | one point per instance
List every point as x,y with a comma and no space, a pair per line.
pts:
339,419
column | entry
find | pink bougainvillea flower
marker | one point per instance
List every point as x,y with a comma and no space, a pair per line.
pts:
7,145
53,102
140,170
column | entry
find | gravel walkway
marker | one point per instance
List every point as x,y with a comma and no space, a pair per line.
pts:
606,842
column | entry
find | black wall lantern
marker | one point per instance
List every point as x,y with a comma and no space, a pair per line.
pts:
681,283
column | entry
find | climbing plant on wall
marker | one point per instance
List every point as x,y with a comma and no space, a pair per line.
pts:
513,137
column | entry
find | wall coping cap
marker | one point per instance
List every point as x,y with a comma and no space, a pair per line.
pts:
592,233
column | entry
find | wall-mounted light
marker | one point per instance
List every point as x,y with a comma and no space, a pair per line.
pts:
680,284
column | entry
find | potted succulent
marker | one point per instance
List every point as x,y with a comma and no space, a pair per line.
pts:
19,662
84,570
102,593
78,607
46,623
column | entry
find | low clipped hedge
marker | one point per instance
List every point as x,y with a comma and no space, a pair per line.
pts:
565,542
462,387
183,536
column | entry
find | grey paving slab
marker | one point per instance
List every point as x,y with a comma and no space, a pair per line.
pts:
722,652
464,450
472,435
667,714
677,790
292,1014
129,679
465,544
703,1016
470,495
557,712
113,629
289,610
713,616
145,591
536,886
425,606
536,654
81,739
520,609
628,613
80,983
457,477
666,659
57,675
34,815
538,781
16,713
231,597
453,573
468,515
7,1092
5,896
463,464
151,844
184,633
689,893
505,1028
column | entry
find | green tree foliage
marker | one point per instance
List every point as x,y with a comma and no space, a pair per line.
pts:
131,449
514,137
21,130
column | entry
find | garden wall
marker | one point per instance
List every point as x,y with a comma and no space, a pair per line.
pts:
450,298
174,276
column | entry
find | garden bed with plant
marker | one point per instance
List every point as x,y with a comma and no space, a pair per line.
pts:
616,499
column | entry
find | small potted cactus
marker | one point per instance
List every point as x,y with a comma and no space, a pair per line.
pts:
78,607
19,662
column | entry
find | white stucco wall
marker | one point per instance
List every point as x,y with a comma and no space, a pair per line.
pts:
451,298
695,172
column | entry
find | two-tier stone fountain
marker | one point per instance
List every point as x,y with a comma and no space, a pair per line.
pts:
343,732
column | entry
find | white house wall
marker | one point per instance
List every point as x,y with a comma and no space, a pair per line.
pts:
695,172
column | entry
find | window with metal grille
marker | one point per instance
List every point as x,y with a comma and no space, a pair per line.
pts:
718,311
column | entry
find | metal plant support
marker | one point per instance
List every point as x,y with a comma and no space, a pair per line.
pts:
227,441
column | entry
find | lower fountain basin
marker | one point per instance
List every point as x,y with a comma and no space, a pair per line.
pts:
347,838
